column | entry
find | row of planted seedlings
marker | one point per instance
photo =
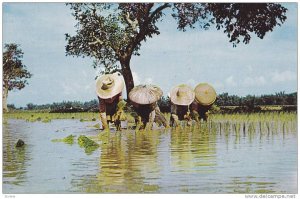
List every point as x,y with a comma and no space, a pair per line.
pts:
255,123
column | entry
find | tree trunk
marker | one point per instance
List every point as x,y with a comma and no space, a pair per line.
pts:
4,98
126,71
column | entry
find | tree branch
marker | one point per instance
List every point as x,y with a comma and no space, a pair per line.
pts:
98,41
5,62
133,24
159,9
143,28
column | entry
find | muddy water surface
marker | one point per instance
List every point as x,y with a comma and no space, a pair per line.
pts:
209,160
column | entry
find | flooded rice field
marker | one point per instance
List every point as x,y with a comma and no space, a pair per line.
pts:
217,157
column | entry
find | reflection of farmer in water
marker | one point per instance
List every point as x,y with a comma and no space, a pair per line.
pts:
109,90
127,160
205,96
144,100
181,97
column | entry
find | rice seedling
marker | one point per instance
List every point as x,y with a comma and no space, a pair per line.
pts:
88,144
249,125
68,140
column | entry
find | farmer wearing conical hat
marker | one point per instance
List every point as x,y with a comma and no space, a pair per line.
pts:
181,97
109,90
146,111
205,96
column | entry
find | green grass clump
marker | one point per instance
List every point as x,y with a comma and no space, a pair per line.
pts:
68,140
88,144
97,126
46,120
32,116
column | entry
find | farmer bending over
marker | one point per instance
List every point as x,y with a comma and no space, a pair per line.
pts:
205,96
109,90
144,103
181,97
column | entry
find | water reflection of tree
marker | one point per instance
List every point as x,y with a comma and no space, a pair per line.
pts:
125,163
193,151
14,159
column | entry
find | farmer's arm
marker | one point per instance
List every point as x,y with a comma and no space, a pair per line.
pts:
160,118
151,120
188,118
120,114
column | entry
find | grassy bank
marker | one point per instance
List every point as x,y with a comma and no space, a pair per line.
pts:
47,117
32,116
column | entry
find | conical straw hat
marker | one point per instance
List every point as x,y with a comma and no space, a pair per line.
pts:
182,95
205,94
109,85
145,94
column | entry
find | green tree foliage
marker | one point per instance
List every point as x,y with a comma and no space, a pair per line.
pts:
30,106
237,20
280,98
11,106
112,32
66,106
15,73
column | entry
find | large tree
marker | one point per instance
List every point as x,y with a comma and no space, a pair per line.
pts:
15,73
112,32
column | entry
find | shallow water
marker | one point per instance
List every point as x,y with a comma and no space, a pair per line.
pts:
206,160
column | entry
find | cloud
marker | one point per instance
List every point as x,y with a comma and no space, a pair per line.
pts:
250,68
254,81
89,86
230,81
192,83
148,80
69,89
218,85
284,76
137,79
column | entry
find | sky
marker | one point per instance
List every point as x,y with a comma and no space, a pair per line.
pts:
265,66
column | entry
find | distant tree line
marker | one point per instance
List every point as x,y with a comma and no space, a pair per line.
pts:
243,104
65,106
280,98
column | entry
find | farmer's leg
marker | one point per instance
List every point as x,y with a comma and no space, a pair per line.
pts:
102,111
175,119
103,120
195,116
